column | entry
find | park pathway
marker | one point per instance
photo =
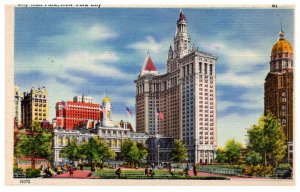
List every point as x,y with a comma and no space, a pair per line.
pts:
77,174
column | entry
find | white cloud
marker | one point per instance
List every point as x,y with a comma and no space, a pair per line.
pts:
234,126
94,63
224,105
250,79
99,32
252,100
149,44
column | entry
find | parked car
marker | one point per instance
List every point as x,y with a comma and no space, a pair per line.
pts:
19,175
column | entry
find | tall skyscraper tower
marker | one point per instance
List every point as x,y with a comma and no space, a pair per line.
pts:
186,95
279,87
18,100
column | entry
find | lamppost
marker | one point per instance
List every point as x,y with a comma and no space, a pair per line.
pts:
158,154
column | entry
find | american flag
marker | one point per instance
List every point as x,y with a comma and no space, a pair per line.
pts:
160,114
128,111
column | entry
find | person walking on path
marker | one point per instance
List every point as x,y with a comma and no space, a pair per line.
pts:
152,172
171,170
195,170
93,170
186,170
71,170
147,171
118,172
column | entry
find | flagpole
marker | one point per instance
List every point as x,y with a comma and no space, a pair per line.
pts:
156,118
126,120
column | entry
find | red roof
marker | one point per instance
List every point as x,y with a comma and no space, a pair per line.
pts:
149,65
181,16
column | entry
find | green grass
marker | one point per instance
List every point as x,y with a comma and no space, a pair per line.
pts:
134,172
159,174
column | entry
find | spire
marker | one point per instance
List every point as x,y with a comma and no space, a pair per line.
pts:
149,64
181,16
170,55
149,67
281,33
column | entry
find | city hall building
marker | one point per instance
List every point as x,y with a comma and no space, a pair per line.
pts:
105,129
185,95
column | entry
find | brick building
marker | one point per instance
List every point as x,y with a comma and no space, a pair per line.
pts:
279,88
69,114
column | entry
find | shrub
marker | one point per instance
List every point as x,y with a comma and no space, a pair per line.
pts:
259,170
284,166
17,170
32,173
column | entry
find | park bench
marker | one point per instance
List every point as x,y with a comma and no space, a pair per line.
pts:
221,170
282,173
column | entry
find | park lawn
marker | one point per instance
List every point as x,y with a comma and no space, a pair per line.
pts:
107,172
159,174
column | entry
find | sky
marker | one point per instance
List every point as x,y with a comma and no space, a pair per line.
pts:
74,51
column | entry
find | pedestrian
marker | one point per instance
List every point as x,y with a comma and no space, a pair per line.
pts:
47,172
118,172
186,170
147,171
71,170
152,172
93,170
62,169
195,170
171,170
152,165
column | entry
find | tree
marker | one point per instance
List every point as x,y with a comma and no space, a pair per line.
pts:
233,151
253,158
104,152
133,152
268,139
179,152
96,151
221,156
71,151
35,143
230,153
143,151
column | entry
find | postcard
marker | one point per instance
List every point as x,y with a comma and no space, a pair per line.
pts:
149,95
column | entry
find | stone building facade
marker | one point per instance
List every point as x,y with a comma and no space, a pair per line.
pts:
35,107
186,95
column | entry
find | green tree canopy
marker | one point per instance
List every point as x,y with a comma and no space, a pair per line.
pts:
133,152
253,158
230,153
179,152
72,151
35,143
96,151
268,139
221,156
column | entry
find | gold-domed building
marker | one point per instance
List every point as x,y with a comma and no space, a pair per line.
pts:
279,88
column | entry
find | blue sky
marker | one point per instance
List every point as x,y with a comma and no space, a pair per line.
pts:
94,50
